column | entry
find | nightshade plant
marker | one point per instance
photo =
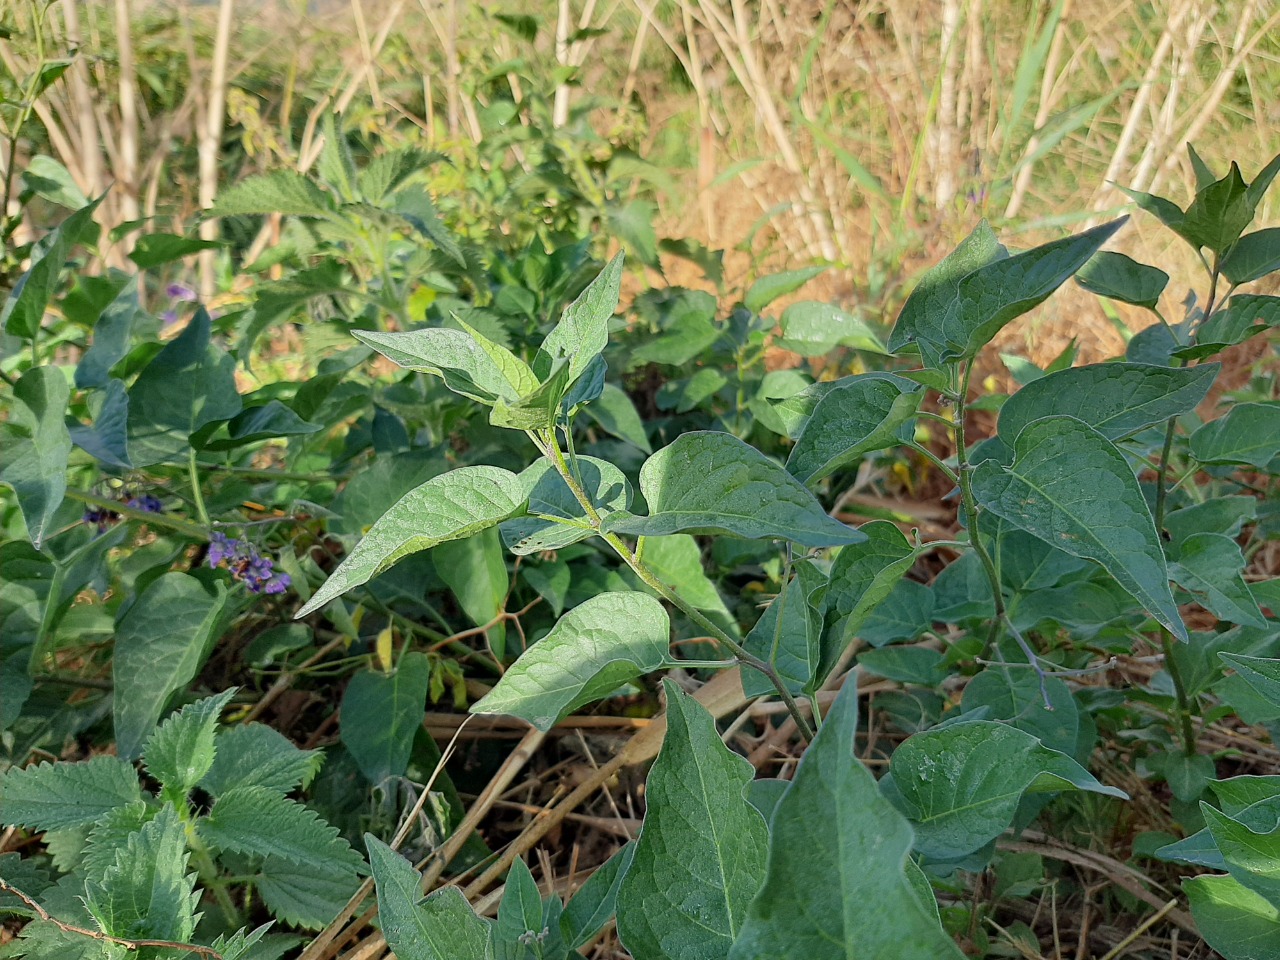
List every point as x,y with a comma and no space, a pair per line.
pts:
1099,512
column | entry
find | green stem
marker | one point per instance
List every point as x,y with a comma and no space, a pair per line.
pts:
1180,692
934,459
193,472
209,878
551,449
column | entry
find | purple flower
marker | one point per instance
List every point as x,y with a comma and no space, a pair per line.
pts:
220,549
146,503
180,292
101,517
246,564
169,317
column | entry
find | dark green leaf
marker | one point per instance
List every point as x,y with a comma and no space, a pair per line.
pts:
1114,275
111,337
713,483
1247,433
1254,256
1073,489
1245,316
788,636
34,446
700,857
769,288
380,715
153,249
1210,565
1261,674
255,755
258,820
596,901
1219,213
181,751
50,796
550,496
617,415
268,421
24,309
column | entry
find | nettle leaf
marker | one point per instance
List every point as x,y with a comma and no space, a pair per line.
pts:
700,858
1245,316
714,483
1234,920
380,715
938,287
186,385
1253,257
1261,674
50,796
306,894
1210,565
441,927
1118,277
35,445
592,650
837,883
994,295
550,496
1073,489
161,642
23,311
788,635
258,820
1247,433
769,288
813,329
147,893
960,785
857,415
110,833
255,755
280,191
1116,399
453,355
596,901
583,330
181,751
861,577
448,507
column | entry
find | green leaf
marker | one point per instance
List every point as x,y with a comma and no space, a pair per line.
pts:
258,820
938,287
961,784
147,893
617,415
1246,316
441,927
788,636
1234,921
1253,257
1219,213
1247,433
34,446
23,311
1210,565
596,901
700,858
306,894
714,483
583,330
254,754
475,569
186,385
448,507
520,380
280,191
768,289
50,796
633,225
47,178
153,249
1015,696
1238,793
268,421
677,561
594,648
161,642
520,910
861,577
812,329
380,715
181,751
1203,174
1166,211
994,295
111,337
1118,277
550,496
453,355
1073,489
1261,674
836,885
1116,399
857,415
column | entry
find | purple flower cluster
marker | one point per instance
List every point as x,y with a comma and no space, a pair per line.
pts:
104,517
100,517
247,565
177,293
146,503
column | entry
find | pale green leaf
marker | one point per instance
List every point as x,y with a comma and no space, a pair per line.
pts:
457,504
452,355
811,329
617,415
442,927
50,796
1234,921
254,754
714,483
593,649
700,858
769,288
1247,433
161,642
380,715
1245,316
1260,673
857,415
1252,856
1073,489
1116,399
182,749
677,561
475,569
583,330
961,784
836,886
35,445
